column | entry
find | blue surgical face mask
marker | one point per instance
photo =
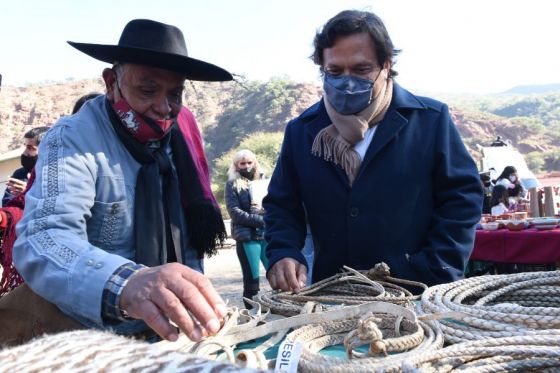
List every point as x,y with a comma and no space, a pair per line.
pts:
348,94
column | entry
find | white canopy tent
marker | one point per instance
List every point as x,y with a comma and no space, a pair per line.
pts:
496,158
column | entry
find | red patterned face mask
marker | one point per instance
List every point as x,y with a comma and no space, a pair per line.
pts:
142,128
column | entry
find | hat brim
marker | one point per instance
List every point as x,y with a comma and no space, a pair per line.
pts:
192,68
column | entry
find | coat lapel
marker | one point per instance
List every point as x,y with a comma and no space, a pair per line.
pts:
391,124
389,127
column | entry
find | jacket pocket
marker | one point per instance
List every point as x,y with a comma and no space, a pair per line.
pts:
241,233
107,228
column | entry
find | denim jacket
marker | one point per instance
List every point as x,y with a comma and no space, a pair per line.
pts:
78,226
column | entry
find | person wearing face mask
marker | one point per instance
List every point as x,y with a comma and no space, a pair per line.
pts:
487,187
121,213
509,180
12,208
12,211
381,174
18,181
247,224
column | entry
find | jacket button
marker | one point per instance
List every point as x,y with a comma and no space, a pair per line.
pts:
354,212
114,208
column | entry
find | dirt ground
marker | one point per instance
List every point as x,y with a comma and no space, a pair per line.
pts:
224,271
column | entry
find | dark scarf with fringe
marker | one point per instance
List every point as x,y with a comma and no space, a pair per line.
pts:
159,188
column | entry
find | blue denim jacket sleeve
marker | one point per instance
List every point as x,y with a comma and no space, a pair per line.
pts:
52,251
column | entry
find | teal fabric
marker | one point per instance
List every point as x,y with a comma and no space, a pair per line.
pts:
256,252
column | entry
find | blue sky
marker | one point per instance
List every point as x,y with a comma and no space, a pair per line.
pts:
475,46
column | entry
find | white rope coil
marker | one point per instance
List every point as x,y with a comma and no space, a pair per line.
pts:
93,351
422,338
536,353
499,324
496,306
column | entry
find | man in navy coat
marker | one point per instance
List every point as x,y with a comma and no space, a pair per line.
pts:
379,174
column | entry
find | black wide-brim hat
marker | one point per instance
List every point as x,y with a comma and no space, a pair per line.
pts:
151,43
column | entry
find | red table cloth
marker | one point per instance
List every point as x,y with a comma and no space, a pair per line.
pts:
528,246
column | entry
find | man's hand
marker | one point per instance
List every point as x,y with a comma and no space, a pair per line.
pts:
288,275
177,293
15,186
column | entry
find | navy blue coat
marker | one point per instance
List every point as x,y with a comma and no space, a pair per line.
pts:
413,205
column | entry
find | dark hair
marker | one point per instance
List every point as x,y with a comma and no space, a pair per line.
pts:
82,100
486,180
508,170
349,22
36,133
499,194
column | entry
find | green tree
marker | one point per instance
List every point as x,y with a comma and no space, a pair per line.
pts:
266,146
551,161
535,161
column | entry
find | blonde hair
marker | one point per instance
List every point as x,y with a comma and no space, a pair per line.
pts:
246,154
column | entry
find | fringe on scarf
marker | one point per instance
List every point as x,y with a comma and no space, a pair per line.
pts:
206,229
338,151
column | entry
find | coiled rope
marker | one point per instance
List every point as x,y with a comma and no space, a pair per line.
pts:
499,324
383,332
346,288
497,306
96,351
234,333
536,353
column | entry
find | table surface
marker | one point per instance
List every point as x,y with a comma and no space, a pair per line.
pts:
529,246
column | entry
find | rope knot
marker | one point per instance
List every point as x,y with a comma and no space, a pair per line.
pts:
379,271
366,332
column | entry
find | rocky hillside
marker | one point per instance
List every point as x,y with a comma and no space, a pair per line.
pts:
23,108
228,111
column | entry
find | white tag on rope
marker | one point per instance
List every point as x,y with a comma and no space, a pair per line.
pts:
287,359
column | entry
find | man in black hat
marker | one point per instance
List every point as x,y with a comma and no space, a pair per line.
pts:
121,214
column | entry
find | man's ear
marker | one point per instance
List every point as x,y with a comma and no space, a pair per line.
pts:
387,65
109,77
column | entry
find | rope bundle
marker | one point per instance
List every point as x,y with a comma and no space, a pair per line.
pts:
497,306
537,353
398,323
94,351
500,323
346,288
391,334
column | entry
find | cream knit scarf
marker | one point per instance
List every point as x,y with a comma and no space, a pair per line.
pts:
336,142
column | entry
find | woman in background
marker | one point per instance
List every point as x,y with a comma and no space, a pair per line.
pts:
499,202
510,180
247,224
